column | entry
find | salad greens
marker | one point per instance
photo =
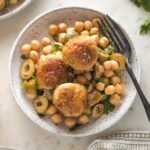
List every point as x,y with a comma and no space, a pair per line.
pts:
145,27
143,3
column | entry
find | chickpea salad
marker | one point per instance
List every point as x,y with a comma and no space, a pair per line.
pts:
5,4
72,76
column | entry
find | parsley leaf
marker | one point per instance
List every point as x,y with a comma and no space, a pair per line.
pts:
58,46
143,3
145,27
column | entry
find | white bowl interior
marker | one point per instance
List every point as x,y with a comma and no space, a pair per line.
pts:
36,30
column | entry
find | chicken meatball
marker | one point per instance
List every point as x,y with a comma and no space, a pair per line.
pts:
51,72
70,99
80,52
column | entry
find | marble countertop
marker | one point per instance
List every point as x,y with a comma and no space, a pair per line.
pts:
16,130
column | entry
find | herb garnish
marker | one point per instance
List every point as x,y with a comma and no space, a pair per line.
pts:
145,27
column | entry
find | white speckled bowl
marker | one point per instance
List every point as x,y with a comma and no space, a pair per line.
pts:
14,9
36,29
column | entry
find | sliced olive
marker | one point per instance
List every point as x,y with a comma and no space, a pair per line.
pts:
29,84
27,69
94,98
40,104
120,59
96,22
102,56
98,111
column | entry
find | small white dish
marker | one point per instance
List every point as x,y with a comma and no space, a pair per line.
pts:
36,29
14,9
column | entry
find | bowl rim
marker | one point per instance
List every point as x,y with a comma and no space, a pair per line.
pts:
16,10
17,100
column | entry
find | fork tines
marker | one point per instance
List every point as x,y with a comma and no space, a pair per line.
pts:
112,30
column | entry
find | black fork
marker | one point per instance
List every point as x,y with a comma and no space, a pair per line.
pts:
111,29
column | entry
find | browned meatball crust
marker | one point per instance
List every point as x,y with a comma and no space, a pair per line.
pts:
70,99
51,72
80,52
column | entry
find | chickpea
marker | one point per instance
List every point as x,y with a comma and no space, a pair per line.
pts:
69,122
115,80
101,69
119,88
114,65
13,2
46,41
88,25
34,55
56,118
107,65
95,38
79,26
94,31
109,90
62,27
103,42
85,32
88,76
100,86
84,119
62,38
35,45
108,73
51,110
53,29
115,99
48,49
25,49
81,79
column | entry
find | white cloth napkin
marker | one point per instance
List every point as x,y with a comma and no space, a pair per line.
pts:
129,140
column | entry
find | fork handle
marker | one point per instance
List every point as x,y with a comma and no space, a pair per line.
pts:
139,90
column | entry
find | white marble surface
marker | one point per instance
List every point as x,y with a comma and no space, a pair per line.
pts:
15,128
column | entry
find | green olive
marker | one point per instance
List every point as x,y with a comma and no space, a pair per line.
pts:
40,104
120,59
102,56
2,4
96,22
27,69
94,98
29,84
98,111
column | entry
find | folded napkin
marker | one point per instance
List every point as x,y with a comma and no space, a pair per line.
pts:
130,140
